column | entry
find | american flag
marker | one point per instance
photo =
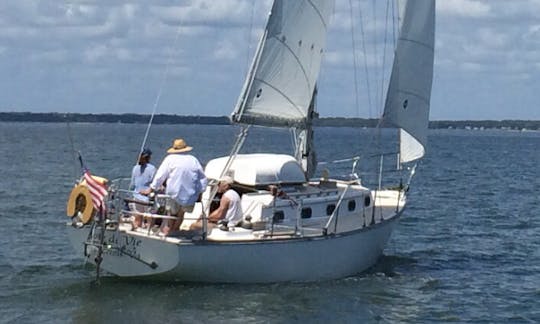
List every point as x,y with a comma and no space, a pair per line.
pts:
98,191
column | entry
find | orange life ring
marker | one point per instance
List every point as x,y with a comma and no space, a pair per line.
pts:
80,200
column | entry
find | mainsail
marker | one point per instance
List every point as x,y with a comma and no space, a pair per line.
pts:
409,91
281,83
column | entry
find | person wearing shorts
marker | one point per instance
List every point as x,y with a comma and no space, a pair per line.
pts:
185,181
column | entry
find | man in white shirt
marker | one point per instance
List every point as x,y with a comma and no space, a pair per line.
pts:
185,181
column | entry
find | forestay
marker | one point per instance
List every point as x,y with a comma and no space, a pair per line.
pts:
409,91
281,82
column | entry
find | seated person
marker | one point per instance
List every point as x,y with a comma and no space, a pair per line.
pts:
229,208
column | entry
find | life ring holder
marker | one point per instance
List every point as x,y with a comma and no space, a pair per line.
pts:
80,202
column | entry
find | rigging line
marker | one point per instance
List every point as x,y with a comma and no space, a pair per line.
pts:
160,90
376,137
250,31
353,40
355,64
375,55
394,27
366,69
294,140
395,9
381,103
354,158
325,23
72,143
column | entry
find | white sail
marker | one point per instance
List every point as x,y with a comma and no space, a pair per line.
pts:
409,91
282,81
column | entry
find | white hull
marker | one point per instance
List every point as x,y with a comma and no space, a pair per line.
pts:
311,231
273,260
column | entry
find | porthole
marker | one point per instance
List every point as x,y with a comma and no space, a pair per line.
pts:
306,212
367,201
330,209
279,216
351,205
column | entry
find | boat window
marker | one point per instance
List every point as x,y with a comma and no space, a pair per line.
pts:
306,212
330,209
352,205
279,216
367,201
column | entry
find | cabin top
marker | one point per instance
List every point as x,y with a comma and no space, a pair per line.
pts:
259,169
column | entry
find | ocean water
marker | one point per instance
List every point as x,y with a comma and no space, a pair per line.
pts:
467,249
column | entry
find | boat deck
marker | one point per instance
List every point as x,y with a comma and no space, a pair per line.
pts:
385,208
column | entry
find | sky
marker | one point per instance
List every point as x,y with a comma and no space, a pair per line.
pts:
190,57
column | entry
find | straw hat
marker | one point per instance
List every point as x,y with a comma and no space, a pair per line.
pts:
179,146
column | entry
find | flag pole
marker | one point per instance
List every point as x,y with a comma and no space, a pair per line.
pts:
81,161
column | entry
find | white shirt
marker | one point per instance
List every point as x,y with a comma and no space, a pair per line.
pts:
234,212
185,178
141,180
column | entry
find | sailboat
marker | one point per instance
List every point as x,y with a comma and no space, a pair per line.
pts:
295,227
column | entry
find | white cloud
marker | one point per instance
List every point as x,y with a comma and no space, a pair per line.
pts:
96,53
126,46
56,56
205,12
225,51
464,8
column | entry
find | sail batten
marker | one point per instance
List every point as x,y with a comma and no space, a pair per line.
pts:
419,96
283,80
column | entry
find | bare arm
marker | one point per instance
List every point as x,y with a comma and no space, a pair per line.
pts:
221,211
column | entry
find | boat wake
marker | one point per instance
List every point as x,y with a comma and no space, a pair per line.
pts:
388,265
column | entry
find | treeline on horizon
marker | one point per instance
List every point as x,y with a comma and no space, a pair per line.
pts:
224,120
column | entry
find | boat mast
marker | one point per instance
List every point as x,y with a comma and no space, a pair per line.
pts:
305,151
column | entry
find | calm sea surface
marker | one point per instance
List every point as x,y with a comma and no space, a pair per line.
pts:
467,249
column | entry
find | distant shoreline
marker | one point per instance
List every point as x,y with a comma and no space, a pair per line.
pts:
224,120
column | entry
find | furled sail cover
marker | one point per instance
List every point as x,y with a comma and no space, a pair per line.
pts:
409,91
280,85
